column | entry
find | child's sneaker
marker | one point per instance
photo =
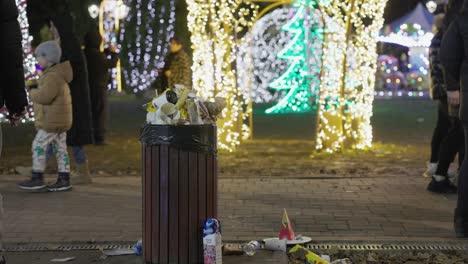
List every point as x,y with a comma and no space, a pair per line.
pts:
32,185
431,170
60,186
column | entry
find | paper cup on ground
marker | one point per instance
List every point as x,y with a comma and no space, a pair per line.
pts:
276,244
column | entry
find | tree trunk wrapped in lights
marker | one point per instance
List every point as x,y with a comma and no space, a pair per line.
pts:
347,94
347,78
214,24
144,40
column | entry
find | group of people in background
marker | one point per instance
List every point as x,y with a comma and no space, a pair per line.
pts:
70,97
449,86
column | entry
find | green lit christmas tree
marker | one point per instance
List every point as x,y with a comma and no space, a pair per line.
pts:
302,78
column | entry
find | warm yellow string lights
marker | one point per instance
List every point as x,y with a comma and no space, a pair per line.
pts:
347,89
110,14
214,24
347,77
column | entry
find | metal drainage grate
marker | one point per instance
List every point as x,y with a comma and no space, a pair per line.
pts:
68,247
390,247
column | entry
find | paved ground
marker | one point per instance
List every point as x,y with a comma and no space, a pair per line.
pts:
391,208
87,257
371,195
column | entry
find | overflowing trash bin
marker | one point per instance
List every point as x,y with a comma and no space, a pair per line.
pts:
179,190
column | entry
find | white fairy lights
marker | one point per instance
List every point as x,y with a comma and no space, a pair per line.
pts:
258,64
145,38
214,25
29,62
409,35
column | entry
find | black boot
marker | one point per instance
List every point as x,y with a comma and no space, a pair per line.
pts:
444,186
34,184
62,184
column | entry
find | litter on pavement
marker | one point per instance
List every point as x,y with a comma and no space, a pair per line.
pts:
63,259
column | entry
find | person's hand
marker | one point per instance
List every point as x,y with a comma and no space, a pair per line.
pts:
168,74
113,49
453,97
31,84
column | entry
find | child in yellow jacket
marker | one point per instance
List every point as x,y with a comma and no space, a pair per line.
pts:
53,117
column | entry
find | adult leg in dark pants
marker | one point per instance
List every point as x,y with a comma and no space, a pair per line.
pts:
99,109
440,132
450,146
461,213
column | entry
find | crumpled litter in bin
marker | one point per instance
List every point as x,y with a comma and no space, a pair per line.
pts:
63,259
182,106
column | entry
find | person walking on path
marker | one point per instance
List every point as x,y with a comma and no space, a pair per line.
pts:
454,58
438,92
81,133
53,108
98,69
453,141
12,88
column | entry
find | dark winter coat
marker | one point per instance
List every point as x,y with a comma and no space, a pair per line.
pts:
180,67
81,132
438,89
97,61
454,58
12,92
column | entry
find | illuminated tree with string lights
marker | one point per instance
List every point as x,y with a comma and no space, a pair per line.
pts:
144,40
29,62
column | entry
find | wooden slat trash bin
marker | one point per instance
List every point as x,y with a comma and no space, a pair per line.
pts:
179,191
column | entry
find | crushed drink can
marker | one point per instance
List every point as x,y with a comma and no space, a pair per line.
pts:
212,244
